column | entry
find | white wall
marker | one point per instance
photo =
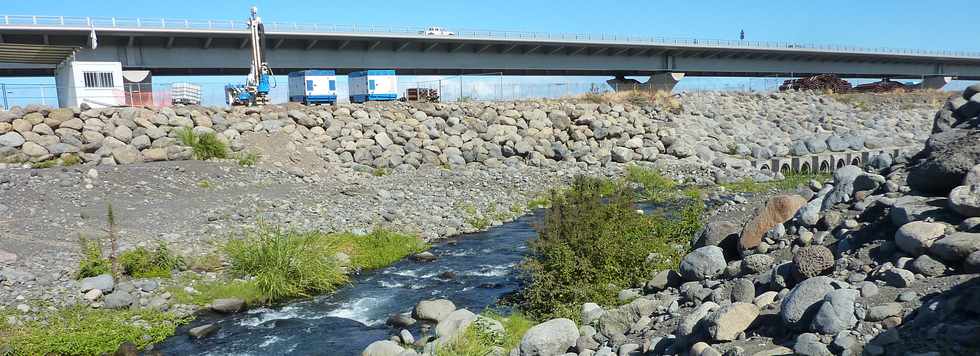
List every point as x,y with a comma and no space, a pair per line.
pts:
70,80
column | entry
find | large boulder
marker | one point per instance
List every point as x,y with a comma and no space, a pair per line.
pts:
964,200
836,313
956,247
778,210
383,348
553,337
801,304
103,282
726,323
703,263
944,162
454,325
916,237
433,310
723,234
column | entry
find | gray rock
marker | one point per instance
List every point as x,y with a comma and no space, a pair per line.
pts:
11,139
816,145
943,163
801,304
836,313
965,200
228,305
972,263
433,310
703,263
690,321
663,280
757,263
743,290
727,323
916,237
454,324
202,331
117,300
723,234
881,312
809,345
103,282
956,247
844,179
553,337
897,277
928,266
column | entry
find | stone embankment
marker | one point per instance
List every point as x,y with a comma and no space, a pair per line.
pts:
715,134
874,262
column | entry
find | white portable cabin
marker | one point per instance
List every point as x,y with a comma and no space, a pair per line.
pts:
315,86
97,84
372,85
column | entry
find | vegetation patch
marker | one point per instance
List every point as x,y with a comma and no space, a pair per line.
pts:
479,338
81,330
379,248
93,262
656,187
202,292
144,263
248,159
205,146
65,160
656,98
591,244
792,181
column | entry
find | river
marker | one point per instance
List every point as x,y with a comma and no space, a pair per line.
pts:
345,322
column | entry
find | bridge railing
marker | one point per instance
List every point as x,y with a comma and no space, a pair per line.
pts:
286,27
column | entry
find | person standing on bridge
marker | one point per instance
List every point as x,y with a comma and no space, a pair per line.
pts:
741,35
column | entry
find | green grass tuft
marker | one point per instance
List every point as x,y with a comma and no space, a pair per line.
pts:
143,263
380,248
206,146
93,262
207,291
248,159
656,187
81,330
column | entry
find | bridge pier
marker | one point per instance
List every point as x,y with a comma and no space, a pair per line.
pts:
934,82
659,82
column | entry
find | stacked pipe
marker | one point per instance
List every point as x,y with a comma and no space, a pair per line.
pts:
884,86
820,82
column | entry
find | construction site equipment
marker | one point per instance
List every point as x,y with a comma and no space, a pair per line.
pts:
185,94
821,82
372,85
313,87
422,94
255,91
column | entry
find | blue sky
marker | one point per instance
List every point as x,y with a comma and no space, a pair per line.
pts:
913,24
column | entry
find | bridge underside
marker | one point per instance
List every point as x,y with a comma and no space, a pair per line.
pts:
183,53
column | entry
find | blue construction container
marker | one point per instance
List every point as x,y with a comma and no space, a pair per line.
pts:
313,86
372,85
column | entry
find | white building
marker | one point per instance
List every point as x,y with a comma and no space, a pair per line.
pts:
97,84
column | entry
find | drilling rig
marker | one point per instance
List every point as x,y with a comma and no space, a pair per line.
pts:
255,91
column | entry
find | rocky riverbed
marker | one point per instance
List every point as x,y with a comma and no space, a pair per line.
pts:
883,261
430,169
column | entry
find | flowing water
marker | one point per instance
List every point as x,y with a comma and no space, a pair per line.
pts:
345,322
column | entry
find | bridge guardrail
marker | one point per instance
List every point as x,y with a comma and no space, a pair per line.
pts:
276,26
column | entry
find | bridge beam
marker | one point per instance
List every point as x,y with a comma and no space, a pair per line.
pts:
207,42
310,44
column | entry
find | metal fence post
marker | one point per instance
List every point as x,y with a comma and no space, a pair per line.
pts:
3,88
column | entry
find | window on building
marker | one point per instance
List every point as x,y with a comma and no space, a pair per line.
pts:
98,80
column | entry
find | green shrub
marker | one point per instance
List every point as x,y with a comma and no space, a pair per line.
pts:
93,262
285,263
590,247
208,291
380,172
206,146
81,330
143,263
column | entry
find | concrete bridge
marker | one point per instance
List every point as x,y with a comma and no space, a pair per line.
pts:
827,162
211,47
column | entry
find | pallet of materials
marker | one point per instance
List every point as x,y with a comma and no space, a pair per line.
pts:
185,94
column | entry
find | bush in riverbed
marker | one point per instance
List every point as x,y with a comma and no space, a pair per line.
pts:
143,263
591,245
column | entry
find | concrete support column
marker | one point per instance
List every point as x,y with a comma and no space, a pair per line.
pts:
660,82
664,81
934,82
